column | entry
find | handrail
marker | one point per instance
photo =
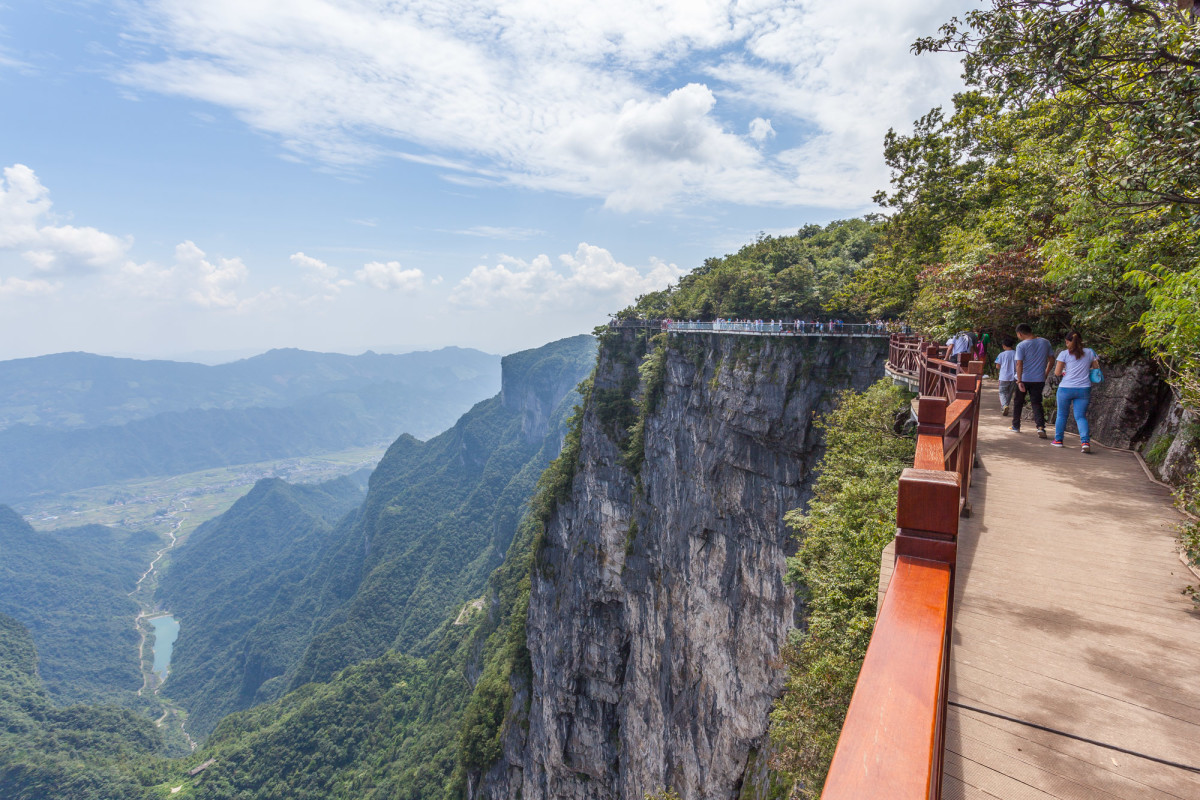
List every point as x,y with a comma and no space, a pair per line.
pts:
774,327
894,734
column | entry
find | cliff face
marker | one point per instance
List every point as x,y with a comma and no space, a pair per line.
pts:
658,605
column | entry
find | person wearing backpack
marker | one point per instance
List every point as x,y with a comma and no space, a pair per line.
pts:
1074,367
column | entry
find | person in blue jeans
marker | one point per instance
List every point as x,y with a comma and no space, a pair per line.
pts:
1073,367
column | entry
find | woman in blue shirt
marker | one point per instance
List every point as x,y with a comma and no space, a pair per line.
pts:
1074,369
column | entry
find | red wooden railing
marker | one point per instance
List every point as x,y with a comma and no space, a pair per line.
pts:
894,734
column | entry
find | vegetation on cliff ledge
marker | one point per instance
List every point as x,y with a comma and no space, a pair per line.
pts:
850,519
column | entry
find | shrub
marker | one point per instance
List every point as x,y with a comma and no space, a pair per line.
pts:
849,520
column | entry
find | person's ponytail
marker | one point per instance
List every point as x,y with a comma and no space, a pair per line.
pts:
1075,344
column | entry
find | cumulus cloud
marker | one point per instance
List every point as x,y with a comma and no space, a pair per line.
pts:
570,96
761,130
590,277
324,277
195,278
389,276
213,284
52,256
27,228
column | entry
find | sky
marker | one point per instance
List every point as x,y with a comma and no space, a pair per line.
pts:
214,178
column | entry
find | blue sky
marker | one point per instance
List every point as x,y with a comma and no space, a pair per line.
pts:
184,176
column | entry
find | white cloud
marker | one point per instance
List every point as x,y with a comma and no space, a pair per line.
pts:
761,130
19,286
324,277
49,253
192,278
390,275
496,232
569,96
589,278
27,228
211,284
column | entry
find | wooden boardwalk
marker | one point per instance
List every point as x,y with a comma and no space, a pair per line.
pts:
1070,622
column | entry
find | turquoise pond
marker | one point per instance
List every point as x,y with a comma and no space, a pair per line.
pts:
166,631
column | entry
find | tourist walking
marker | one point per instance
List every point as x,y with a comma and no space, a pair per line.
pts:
1034,356
1074,366
959,343
1006,364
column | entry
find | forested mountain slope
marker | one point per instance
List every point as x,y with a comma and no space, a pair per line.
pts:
229,577
436,521
71,588
73,752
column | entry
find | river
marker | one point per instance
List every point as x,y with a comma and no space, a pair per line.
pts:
166,630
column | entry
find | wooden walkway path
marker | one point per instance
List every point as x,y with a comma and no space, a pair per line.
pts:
1070,622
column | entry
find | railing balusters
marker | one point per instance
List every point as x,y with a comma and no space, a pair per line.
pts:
894,734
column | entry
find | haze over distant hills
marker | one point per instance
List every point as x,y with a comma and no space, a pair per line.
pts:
73,420
78,390
283,589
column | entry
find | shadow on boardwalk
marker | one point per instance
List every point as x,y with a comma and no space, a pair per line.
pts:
1070,622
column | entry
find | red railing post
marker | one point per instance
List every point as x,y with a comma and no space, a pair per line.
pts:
967,387
893,739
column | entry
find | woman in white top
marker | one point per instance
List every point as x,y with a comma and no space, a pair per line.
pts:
1074,369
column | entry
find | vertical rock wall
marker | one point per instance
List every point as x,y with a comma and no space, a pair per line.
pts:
658,605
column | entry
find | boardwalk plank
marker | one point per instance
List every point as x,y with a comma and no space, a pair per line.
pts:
1070,615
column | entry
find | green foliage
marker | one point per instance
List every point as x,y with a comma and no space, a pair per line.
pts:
227,585
775,277
1006,289
664,794
1190,536
1172,324
90,753
71,588
1076,145
651,377
849,520
1157,452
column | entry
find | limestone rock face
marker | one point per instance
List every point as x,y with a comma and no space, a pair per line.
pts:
658,605
534,386
1178,429
1125,407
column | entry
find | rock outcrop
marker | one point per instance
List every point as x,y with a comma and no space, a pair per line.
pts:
658,605
1125,408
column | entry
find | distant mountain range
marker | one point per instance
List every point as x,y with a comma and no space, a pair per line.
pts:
74,420
67,391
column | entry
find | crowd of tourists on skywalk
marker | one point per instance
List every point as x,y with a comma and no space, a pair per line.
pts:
1024,366
782,326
